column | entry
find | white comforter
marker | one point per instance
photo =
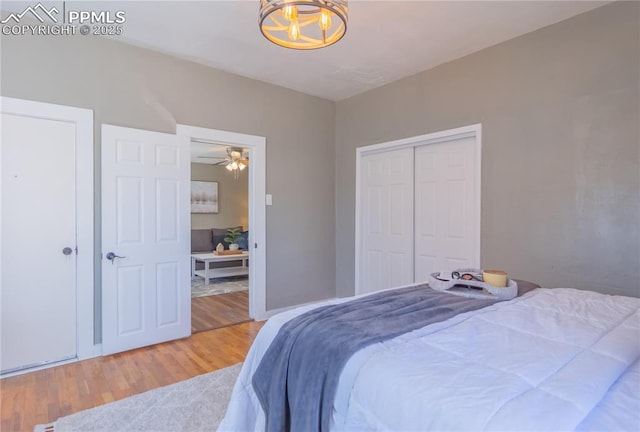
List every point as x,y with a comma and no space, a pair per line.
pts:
554,359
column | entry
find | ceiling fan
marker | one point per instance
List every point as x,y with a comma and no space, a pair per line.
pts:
235,161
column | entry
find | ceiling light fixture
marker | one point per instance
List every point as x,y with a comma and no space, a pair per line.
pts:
303,24
236,162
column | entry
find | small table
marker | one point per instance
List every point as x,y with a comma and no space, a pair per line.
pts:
213,273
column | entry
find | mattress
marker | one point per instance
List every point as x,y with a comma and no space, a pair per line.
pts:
553,359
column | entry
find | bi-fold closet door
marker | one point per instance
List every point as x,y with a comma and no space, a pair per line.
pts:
418,212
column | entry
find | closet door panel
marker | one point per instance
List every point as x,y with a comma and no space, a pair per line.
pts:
444,210
387,220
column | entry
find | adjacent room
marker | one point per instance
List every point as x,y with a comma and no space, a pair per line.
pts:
219,236
319,215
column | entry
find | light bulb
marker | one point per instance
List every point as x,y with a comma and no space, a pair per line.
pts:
229,167
290,12
294,30
325,20
242,166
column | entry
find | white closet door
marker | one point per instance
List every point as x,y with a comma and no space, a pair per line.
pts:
445,208
38,222
387,220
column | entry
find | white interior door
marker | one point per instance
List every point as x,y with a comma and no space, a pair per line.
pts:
146,295
38,223
387,220
445,209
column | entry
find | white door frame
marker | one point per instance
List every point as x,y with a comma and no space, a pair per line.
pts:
257,211
83,120
471,131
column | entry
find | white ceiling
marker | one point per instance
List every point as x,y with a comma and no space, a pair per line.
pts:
385,40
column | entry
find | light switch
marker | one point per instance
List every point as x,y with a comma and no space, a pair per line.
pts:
269,199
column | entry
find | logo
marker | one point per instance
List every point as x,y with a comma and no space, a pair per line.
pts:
69,22
33,10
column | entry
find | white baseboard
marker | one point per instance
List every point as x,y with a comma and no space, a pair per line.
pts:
268,314
272,312
95,352
37,368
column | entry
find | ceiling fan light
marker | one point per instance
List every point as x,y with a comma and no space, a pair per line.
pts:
236,161
303,24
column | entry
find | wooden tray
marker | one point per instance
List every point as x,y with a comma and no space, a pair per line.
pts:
228,252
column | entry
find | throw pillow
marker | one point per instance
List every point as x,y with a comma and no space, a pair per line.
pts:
243,241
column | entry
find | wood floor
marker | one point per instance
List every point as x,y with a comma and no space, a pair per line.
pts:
218,311
43,396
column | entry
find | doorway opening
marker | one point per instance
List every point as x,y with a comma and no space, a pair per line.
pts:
255,147
219,235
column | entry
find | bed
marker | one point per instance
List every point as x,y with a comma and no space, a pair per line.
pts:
551,359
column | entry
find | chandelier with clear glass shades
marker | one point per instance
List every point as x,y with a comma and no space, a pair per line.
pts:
303,24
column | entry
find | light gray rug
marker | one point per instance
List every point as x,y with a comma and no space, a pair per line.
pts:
197,404
218,286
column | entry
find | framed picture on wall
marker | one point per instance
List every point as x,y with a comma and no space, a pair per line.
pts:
204,197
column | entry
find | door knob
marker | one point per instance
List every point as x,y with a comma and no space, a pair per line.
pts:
111,257
67,251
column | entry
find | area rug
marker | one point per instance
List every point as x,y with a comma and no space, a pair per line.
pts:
197,404
218,285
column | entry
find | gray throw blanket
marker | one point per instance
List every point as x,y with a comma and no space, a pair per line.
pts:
297,378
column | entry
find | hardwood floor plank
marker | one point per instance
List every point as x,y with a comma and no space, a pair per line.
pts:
43,396
219,311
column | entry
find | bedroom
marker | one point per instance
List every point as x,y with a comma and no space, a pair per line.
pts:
547,101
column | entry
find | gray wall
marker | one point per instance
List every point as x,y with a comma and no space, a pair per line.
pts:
559,108
233,196
134,87
561,148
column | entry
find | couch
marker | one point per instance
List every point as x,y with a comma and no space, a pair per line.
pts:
206,240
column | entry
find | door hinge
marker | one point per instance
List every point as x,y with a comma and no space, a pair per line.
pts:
255,245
